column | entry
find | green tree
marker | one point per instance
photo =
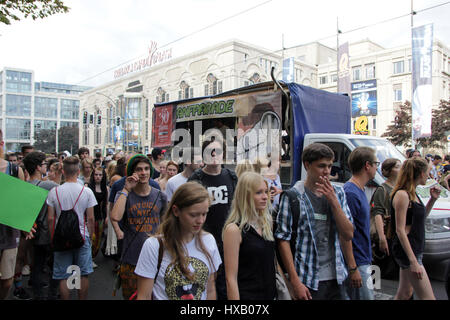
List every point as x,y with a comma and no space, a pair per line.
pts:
399,132
68,139
10,9
45,140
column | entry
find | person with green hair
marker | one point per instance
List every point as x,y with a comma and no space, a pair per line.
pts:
138,210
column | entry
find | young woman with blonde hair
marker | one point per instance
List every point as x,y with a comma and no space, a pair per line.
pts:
189,257
249,246
408,217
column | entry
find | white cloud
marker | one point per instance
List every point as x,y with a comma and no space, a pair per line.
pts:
99,35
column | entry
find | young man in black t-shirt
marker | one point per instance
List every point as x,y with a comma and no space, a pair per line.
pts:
220,183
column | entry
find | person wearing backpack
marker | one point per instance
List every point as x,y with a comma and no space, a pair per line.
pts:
36,165
380,224
68,204
316,269
220,183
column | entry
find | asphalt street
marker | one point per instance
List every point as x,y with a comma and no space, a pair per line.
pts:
101,283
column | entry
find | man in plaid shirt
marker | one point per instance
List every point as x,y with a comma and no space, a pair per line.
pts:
317,268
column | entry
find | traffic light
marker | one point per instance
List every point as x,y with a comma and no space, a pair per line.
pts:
99,119
85,115
118,120
91,118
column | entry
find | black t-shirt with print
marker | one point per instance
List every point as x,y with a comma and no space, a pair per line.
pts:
221,187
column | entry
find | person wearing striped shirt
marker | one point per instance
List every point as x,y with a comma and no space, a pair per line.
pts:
317,268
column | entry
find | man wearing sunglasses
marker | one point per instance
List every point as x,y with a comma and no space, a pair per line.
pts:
358,252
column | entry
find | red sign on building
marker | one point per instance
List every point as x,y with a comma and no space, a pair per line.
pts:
163,125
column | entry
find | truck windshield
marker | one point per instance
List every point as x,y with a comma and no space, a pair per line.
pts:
384,149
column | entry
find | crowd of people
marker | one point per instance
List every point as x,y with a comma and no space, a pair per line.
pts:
198,230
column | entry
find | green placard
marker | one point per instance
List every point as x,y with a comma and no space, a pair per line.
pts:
20,202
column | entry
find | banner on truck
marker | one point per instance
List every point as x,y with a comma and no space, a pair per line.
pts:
259,127
163,126
422,44
206,109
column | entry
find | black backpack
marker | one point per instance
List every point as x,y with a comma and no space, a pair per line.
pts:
67,235
294,206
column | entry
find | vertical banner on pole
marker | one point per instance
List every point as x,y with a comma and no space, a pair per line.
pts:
344,70
422,45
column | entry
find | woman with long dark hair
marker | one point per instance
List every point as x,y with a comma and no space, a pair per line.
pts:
181,261
409,214
98,185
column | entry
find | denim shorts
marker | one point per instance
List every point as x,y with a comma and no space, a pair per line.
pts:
81,257
404,263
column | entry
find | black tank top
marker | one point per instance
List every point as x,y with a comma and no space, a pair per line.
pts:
256,274
415,217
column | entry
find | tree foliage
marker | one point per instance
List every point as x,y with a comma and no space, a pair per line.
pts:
68,139
11,9
45,140
399,132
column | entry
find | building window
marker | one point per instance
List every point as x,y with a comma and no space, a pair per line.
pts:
214,86
70,109
86,135
255,78
46,107
18,129
184,92
410,65
334,78
374,124
399,67
323,79
17,81
356,71
398,96
161,96
68,124
18,105
44,125
370,71
298,75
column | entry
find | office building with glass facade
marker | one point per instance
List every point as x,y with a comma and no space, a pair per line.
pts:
28,106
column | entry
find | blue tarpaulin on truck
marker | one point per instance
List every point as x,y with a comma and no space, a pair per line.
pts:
316,111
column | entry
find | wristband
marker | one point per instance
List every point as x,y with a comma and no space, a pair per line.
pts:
353,270
124,193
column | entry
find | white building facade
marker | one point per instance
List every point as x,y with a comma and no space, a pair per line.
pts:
234,64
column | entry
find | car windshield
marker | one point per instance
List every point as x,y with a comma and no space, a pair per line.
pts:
384,149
